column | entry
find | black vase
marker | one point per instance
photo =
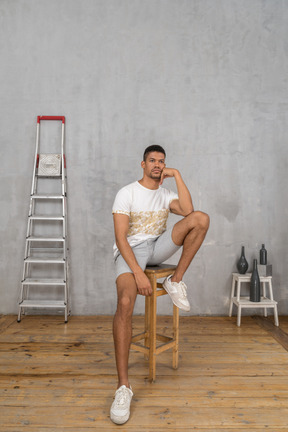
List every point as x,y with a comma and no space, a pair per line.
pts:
242,264
255,284
263,255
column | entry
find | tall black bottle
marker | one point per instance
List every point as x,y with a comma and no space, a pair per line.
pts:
255,284
242,264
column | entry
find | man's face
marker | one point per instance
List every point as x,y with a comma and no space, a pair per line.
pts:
154,164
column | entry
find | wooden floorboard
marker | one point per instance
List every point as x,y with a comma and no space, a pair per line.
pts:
58,377
278,334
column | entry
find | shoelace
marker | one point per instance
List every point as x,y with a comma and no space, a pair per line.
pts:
183,289
121,397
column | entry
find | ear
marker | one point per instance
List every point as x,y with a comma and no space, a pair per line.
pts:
143,164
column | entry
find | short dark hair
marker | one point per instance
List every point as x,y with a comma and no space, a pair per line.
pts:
153,148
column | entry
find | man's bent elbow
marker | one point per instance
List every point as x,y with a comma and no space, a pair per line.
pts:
188,211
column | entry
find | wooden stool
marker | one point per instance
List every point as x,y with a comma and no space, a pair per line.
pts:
150,334
244,301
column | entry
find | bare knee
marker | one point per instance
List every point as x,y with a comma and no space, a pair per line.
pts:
127,293
203,220
199,220
125,306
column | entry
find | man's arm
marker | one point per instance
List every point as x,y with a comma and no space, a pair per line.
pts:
184,205
121,226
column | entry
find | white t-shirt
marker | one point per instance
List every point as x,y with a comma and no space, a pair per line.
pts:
148,211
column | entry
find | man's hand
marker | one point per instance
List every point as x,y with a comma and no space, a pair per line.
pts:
167,172
183,205
143,284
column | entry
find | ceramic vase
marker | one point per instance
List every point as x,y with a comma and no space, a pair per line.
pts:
242,264
263,255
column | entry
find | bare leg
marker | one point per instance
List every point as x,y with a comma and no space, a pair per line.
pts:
122,324
189,232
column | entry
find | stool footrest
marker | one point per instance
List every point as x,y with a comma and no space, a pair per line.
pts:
161,292
165,347
139,337
145,350
246,302
163,338
159,337
140,348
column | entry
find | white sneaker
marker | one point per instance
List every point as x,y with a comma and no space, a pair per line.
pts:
120,409
177,292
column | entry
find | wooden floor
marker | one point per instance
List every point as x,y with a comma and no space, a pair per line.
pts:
61,377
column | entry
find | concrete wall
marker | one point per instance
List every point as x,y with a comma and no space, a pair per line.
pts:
207,79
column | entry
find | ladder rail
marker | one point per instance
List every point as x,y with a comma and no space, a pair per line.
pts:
63,160
36,158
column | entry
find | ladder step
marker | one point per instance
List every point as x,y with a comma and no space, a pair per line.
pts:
47,196
46,260
51,250
57,177
46,239
43,304
30,281
46,217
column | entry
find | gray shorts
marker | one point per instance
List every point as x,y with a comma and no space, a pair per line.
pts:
150,252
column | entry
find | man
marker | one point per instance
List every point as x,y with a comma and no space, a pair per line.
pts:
140,212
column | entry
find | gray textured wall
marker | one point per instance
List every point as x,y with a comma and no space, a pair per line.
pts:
207,79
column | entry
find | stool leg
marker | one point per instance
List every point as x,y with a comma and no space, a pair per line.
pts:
147,320
270,290
232,295
238,291
276,320
239,316
264,295
152,330
175,336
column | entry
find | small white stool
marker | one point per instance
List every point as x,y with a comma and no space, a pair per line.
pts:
244,301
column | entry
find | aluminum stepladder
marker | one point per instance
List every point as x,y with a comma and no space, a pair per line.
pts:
45,271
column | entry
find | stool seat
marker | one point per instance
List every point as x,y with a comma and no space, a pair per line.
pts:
244,301
150,335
